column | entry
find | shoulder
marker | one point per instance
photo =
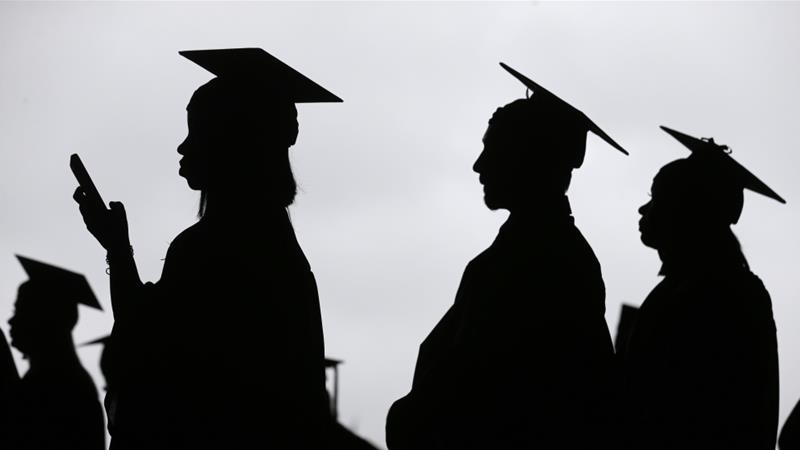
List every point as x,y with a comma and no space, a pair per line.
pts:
734,287
189,236
184,250
750,298
568,257
553,252
735,300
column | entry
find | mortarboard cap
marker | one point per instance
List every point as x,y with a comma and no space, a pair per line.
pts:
581,120
257,67
101,341
67,285
732,170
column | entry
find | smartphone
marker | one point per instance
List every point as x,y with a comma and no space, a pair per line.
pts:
79,170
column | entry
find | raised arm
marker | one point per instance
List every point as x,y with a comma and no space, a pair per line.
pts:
110,228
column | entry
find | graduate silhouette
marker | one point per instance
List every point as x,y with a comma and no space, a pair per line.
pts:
55,405
523,358
701,365
226,349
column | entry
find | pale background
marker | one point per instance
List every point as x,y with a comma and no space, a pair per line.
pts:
390,211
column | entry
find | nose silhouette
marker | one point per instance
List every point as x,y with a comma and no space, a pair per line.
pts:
477,166
182,147
643,209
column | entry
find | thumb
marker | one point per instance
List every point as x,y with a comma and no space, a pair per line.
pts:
118,209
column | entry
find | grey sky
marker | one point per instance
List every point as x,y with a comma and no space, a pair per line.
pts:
390,211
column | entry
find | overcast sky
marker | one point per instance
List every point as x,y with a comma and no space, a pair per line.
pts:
390,211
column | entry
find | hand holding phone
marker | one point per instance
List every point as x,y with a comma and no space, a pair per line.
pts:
108,225
85,181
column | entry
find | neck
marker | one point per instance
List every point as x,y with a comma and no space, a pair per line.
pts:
701,255
56,355
543,209
230,206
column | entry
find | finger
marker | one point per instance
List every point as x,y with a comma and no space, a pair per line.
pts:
78,195
118,209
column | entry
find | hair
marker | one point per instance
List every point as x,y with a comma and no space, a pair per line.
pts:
255,129
201,207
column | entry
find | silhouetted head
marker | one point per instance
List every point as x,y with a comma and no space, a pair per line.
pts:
242,123
689,201
531,147
239,138
38,322
694,201
46,309
527,155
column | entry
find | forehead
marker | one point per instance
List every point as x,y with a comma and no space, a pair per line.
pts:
27,294
38,293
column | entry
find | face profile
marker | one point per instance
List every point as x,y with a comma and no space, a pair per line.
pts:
661,213
22,324
195,151
494,167
682,207
646,228
655,218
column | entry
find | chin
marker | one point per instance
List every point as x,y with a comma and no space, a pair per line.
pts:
194,184
647,241
492,203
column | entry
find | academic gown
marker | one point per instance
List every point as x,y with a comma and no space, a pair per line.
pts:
54,408
226,349
701,367
523,359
